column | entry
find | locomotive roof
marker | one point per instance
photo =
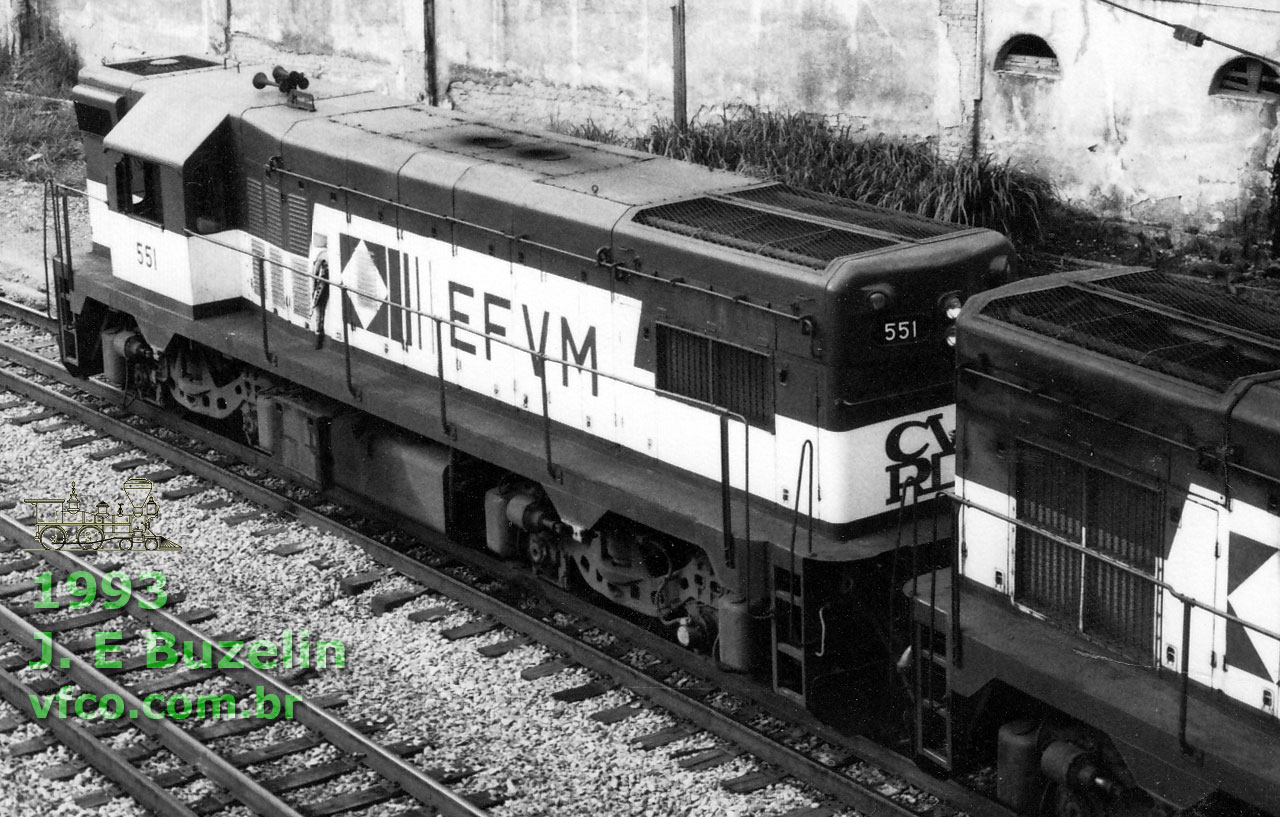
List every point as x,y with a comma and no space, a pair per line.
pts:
1192,330
808,230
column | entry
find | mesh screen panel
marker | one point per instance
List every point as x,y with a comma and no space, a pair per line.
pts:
161,65
1253,311
907,226
1183,348
769,234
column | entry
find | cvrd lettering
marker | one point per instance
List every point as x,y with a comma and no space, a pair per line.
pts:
921,467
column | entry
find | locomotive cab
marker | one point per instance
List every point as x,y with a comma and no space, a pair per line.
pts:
169,189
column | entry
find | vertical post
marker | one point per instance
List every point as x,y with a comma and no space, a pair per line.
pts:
726,508
444,415
552,469
1186,677
49,200
429,35
679,91
226,30
957,555
346,342
66,238
261,268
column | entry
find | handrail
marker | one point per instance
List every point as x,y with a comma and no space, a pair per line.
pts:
805,448
594,260
260,270
1186,601
1102,557
726,487
544,359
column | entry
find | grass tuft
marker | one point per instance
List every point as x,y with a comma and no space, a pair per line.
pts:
38,134
806,151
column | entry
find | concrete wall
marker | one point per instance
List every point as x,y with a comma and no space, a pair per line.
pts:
876,66
1126,127
371,43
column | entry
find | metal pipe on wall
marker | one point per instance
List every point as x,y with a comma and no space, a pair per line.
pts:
679,92
429,36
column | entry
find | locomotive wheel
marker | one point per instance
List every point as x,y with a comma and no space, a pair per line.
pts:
1070,802
53,538
89,538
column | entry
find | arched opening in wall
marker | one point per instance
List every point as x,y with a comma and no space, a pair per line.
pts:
1248,78
1028,54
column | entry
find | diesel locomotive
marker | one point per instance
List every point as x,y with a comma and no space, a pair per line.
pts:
728,406
712,400
1109,633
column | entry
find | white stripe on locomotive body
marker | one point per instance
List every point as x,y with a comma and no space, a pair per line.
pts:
1197,566
1255,598
160,260
95,194
862,472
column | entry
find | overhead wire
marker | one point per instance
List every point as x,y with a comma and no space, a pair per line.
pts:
1190,35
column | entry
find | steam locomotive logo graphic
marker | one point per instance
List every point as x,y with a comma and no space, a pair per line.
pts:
65,524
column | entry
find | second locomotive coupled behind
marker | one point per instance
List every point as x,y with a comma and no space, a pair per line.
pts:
705,397
1109,634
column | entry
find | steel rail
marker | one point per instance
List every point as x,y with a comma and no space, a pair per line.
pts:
98,754
411,780
165,732
30,315
807,770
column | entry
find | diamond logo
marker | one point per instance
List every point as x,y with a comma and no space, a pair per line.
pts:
366,287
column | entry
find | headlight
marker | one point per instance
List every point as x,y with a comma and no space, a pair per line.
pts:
877,300
950,306
951,335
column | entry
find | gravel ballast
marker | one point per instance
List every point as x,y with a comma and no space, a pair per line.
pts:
544,756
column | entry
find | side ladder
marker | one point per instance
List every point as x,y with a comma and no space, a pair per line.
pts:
789,637
932,692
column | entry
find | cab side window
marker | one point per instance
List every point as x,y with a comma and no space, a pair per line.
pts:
208,185
138,189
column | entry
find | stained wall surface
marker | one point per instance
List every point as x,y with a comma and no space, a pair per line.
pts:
1125,123
1130,123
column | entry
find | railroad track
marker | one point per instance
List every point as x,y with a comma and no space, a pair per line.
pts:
784,738
78,669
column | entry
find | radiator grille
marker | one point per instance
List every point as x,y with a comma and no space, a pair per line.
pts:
301,290
1186,348
1108,515
275,277
273,228
1047,575
714,372
906,226
257,218
740,382
299,235
793,240
257,251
